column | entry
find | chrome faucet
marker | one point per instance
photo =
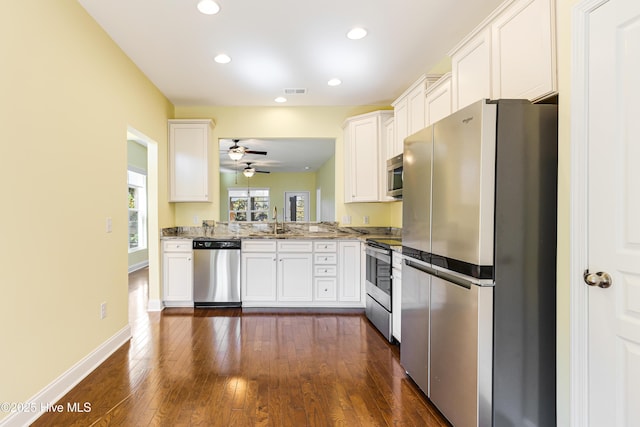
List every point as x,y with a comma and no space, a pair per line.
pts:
275,218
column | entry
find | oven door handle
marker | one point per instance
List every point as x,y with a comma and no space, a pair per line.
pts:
380,254
380,251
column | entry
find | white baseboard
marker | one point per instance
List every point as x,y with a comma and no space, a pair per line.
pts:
155,305
69,379
138,266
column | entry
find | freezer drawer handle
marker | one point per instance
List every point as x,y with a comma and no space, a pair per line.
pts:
442,275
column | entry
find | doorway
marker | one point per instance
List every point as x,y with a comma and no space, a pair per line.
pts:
296,206
154,298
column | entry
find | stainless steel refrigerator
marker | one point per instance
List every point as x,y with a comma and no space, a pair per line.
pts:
479,276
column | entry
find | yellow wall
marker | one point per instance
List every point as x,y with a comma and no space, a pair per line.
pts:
564,28
280,122
68,95
325,181
277,183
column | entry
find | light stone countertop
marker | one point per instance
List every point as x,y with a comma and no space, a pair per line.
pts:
308,231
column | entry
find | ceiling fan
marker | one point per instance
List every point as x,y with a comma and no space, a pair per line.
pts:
236,152
249,170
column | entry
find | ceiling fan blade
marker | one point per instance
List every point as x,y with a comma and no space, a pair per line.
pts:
262,153
263,172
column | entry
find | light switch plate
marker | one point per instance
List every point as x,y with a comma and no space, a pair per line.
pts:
109,225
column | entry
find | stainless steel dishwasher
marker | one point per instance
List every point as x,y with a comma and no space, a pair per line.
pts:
216,273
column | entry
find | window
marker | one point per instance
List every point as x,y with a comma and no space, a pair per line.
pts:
137,183
249,205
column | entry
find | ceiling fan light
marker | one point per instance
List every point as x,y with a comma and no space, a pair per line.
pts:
208,7
249,172
235,154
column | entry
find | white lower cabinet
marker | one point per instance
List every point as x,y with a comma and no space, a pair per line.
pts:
301,273
177,273
258,276
350,282
325,288
295,277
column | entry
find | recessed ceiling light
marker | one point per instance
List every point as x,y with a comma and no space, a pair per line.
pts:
222,59
281,99
357,33
334,82
208,7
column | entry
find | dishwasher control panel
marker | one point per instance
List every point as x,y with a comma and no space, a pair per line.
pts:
216,244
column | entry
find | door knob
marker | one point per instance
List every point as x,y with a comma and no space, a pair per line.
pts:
600,279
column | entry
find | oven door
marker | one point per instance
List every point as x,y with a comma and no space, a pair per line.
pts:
378,276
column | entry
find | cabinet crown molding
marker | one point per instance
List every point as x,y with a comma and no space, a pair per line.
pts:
425,80
383,114
210,122
442,80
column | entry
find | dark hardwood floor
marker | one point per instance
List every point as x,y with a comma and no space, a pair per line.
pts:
226,367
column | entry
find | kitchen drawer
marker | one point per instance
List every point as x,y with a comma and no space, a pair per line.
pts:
259,245
325,246
325,270
177,245
326,258
325,289
294,246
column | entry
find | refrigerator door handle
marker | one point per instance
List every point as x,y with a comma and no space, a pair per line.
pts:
454,280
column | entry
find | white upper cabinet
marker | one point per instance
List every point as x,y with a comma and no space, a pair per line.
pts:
364,146
511,54
189,160
438,100
416,121
409,112
390,136
523,60
471,70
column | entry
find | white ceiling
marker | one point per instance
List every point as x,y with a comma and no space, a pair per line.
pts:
282,44
283,154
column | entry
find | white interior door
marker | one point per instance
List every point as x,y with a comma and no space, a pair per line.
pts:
613,230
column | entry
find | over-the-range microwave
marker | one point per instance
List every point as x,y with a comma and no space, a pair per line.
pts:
394,177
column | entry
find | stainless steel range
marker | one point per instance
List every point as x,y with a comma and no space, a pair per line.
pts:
379,282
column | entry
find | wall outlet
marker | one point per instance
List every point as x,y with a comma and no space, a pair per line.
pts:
103,310
313,229
365,219
346,220
109,225
195,219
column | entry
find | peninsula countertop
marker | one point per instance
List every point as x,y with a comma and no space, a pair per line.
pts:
288,230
